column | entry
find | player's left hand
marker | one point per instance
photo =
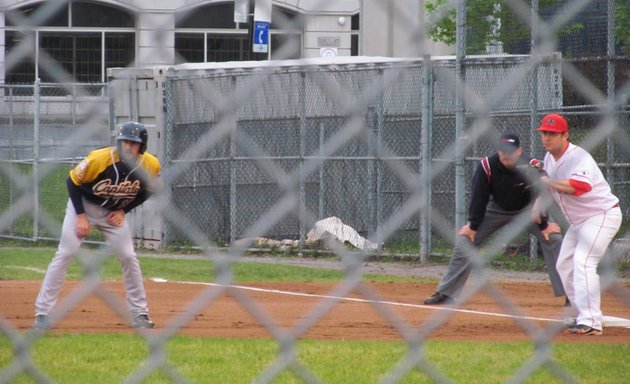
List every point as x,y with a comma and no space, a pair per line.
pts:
469,233
116,218
550,230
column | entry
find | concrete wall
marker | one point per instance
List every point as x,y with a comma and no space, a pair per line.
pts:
393,29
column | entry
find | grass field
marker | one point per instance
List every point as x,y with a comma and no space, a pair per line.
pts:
111,358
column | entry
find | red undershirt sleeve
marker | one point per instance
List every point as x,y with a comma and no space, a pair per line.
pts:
580,187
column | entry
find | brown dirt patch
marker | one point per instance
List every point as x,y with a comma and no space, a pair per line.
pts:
240,313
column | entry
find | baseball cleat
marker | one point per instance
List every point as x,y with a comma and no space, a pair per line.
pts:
42,323
584,330
142,321
438,298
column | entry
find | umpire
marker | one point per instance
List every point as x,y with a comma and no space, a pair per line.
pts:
500,192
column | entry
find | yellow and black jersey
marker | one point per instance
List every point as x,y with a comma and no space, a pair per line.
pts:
104,179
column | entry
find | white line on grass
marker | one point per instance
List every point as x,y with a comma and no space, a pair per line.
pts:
42,271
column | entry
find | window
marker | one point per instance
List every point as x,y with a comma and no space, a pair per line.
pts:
62,53
227,48
354,37
20,71
98,15
208,34
208,16
286,46
38,16
190,47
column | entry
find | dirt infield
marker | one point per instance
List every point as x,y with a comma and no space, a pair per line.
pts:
292,305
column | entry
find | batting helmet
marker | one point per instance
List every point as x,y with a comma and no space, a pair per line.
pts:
132,131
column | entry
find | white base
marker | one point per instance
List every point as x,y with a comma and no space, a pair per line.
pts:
612,321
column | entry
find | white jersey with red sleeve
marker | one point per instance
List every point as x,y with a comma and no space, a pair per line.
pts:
577,164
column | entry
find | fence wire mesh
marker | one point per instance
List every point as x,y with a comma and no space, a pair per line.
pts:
266,150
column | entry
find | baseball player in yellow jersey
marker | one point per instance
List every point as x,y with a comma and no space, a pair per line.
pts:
593,212
106,185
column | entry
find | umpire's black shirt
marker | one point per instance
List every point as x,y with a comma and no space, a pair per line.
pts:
509,188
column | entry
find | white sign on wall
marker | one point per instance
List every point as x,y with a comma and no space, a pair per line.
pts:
328,52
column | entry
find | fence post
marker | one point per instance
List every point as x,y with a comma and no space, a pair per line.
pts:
36,121
533,119
231,235
371,173
610,67
425,162
302,197
11,124
73,104
322,186
378,163
460,114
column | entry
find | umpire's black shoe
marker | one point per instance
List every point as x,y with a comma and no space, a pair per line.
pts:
438,298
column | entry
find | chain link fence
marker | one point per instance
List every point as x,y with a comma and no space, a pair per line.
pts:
45,130
388,146
293,114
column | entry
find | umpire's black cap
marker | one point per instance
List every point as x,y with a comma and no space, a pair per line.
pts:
508,143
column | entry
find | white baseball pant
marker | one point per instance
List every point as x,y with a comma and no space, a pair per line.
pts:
583,247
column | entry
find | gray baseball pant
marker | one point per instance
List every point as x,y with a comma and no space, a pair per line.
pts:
118,238
459,267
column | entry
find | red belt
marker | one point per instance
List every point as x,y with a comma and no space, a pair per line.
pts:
616,205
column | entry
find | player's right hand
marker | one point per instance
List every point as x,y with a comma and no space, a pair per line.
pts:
551,229
82,228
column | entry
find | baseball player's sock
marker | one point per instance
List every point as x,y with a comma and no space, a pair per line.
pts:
42,323
142,321
585,330
438,298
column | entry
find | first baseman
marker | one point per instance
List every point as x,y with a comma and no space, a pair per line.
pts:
593,212
105,186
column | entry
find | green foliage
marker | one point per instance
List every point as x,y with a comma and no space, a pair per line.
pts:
52,198
442,30
622,26
481,16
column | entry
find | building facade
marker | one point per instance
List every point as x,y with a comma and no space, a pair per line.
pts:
84,38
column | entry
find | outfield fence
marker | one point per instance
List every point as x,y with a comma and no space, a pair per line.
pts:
388,145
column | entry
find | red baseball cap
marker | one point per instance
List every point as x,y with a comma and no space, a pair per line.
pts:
553,123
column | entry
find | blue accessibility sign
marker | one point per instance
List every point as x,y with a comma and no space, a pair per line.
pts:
261,37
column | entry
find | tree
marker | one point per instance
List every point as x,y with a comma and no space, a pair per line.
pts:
488,22
622,25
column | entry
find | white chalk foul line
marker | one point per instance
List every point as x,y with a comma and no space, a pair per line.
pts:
42,271
609,321
358,300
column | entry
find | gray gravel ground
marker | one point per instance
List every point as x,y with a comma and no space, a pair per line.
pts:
402,269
